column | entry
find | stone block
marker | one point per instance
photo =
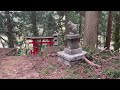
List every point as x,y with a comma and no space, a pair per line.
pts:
73,44
72,51
62,61
72,40
72,36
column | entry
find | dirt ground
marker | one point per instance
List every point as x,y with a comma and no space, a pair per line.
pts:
17,67
30,67
47,67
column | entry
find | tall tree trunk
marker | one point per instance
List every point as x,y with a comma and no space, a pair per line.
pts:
117,32
91,28
44,29
34,27
108,33
66,27
9,28
60,26
80,24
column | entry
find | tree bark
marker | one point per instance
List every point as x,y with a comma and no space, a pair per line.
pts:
34,27
91,28
80,22
9,28
108,33
117,32
44,29
66,27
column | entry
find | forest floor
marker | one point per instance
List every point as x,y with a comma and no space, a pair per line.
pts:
47,67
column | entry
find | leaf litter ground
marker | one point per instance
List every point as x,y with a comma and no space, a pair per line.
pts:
47,67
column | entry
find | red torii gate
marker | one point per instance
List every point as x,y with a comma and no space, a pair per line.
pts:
34,42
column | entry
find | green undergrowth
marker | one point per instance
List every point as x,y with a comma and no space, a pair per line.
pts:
48,69
111,68
112,74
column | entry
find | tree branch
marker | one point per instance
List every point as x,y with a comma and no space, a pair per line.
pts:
3,39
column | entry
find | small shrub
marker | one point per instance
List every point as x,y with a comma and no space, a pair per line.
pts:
87,69
106,72
44,71
75,72
112,74
97,62
94,77
116,61
72,76
50,67
68,70
115,74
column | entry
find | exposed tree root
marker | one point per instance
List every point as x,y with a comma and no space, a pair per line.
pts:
91,63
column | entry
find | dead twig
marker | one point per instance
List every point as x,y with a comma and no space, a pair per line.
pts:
112,57
95,57
99,51
112,53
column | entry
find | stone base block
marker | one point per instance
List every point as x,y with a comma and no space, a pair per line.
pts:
69,63
69,57
62,61
72,51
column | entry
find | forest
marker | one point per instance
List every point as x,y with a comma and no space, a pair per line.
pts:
99,36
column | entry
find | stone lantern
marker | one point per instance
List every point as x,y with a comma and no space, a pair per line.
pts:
73,53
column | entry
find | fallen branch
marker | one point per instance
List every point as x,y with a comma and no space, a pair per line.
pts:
115,51
99,51
91,63
112,58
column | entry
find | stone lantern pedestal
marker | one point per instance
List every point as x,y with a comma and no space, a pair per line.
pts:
73,53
